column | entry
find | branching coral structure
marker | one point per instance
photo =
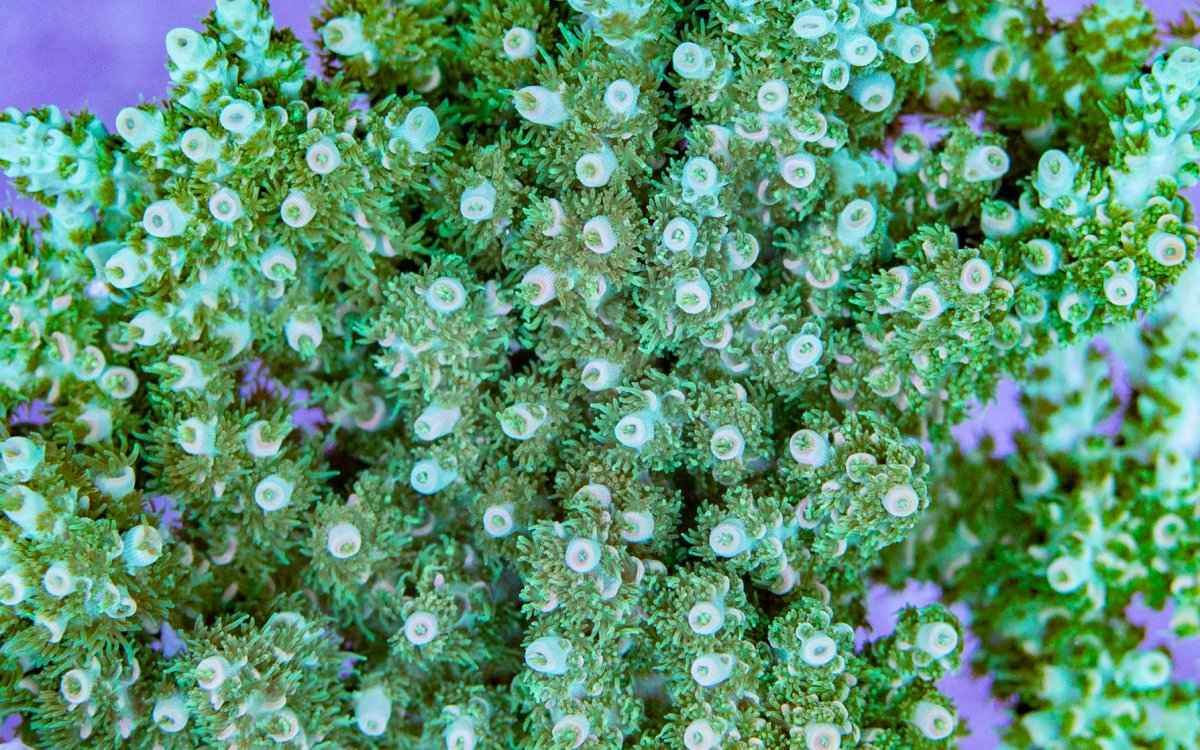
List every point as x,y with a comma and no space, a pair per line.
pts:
557,375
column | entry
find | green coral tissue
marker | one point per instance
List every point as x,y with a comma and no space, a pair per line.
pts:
554,375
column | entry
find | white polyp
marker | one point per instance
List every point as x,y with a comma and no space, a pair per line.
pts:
729,539
124,606
372,711
985,162
170,714
1074,307
575,726
1041,256
856,221
1055,175
75,686
727,443
323,157
637,526
742,256
809,448
804,351
908,43
21,456
498,521
12,589
164,219
98,423
818,650
478,203
798,170
126,269
859,50
117,485
461,734
521,421
937,639
197,437
597,495
874,92
212,672
600,374
538,284
927,295
257,442
1166,249
1148,670
296,211
445,295
119,382
773,96
89,363
822,737
811,24
700,735
420,129
712,669
436,420
519,43
934,721
548,655
540,105
596,168
1121,289
141,546
285,619
877,11
273,493
139,127
151,326
621,98
189,50
679,234
1066,574
285,725
344,36
301,330
583,555
198,146
635,430
976,276
421,628
700,175
706,618
344,540
835,74
693,297
692,61
225,206
598,235
1167,531
428,476
557,218
901,501
277,264
238,117
191,374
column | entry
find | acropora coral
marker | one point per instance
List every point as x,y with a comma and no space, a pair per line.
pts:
556,375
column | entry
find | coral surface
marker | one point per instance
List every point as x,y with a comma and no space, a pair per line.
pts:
555,375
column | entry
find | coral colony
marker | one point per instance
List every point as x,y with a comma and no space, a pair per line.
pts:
560,375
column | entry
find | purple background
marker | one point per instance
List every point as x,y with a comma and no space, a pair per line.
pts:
108,54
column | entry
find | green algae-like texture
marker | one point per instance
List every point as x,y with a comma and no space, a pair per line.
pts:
555,375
